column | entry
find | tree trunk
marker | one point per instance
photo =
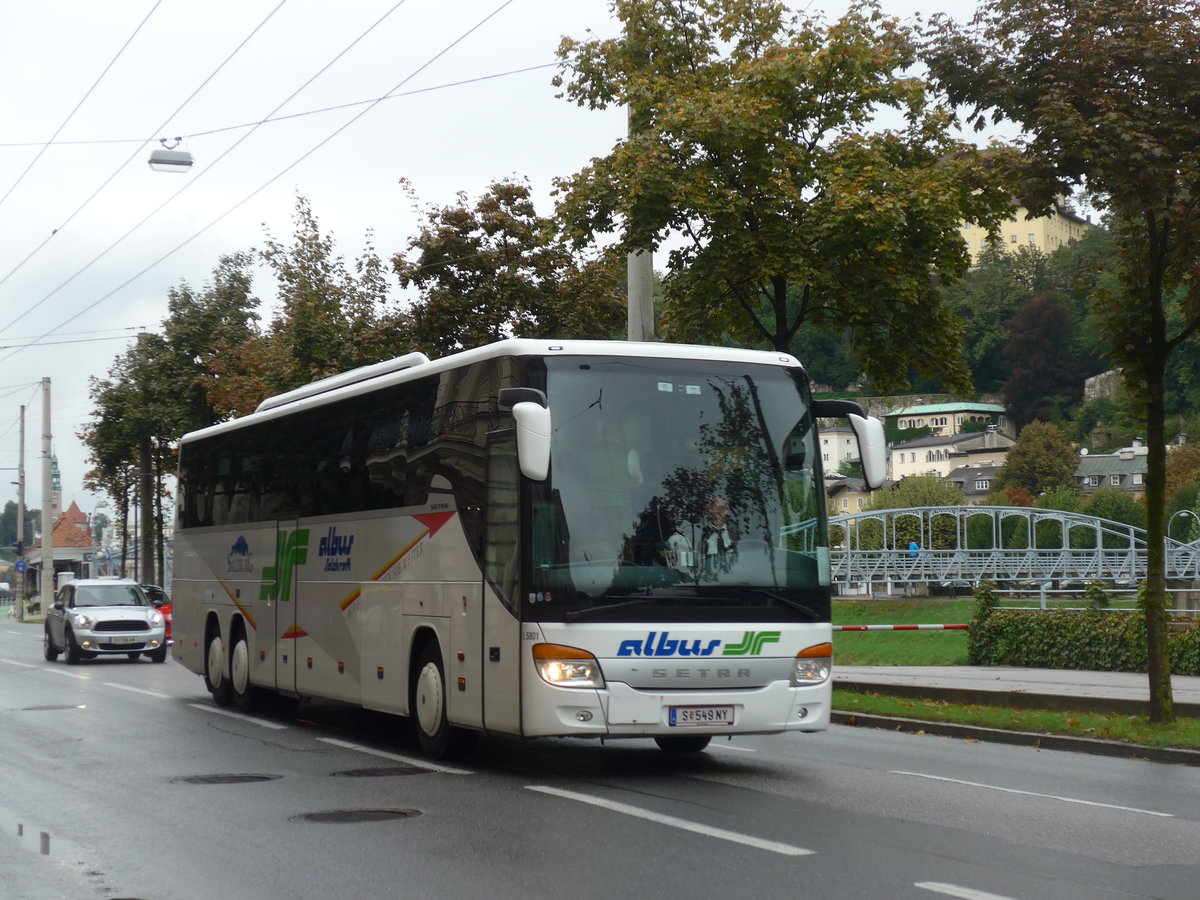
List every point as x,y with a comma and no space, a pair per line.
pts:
1158,656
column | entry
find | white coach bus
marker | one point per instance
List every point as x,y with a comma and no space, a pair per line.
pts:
579,538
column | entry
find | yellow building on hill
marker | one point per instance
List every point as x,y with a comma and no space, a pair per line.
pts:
1046,233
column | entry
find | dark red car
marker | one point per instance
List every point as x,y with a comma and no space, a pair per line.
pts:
160,600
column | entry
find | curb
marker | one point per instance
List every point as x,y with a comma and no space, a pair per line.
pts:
1014,699
1034,739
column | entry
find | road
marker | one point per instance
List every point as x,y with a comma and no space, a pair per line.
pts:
121,780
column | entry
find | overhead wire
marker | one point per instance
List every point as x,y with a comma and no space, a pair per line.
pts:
191,182
122,166
310,112
261,187
82,100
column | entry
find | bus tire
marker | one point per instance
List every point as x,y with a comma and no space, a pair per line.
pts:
437,738
429,703
692,743
214,669
244,694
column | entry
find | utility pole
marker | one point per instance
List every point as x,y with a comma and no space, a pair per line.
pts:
20,598
640,278
46,593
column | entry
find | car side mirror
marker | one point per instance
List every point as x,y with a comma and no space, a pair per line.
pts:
58,604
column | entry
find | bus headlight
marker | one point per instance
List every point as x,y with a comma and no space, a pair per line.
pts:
567,666
812,665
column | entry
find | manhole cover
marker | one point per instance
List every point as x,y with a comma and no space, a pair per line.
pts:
223,779
342,816
380,772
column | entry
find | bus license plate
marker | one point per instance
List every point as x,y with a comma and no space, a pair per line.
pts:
701,715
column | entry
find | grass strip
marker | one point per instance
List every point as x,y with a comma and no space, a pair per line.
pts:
1183,732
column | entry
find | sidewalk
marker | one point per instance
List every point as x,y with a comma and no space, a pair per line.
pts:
1123,692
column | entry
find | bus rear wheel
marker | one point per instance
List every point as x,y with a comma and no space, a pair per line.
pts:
692,743
214,670
244,694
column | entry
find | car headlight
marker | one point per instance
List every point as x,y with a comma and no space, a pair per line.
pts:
156,619
81,620
812,665
567,666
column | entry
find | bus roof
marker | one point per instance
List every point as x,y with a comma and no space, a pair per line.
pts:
416,365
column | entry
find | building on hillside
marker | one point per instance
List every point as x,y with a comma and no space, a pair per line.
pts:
72,544
976,481
1046,233
838,445
940,454
1124,470
848,495
950,418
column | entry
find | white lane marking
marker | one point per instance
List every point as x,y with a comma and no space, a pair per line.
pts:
263,723
1004,790
396,757
673,822
957,890
732,747
65,674
137,690
23,665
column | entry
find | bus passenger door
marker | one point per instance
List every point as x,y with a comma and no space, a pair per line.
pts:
291,552
501,603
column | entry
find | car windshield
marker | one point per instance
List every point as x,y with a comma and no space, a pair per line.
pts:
109,595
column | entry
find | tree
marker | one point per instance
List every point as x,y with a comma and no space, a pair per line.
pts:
1043,376
1108,93
1183,466
330,319
750,141
497,269
1041,460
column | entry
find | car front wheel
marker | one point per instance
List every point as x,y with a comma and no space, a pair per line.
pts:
74,654
48,649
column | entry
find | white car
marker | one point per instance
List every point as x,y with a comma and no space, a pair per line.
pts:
103,617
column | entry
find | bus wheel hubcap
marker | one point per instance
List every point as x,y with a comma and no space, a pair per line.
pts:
429,699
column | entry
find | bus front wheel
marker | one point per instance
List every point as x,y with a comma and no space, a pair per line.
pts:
437,738
429,703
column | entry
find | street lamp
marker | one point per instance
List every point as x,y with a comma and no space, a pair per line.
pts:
168,159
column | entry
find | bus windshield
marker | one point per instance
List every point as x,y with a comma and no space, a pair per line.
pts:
681,489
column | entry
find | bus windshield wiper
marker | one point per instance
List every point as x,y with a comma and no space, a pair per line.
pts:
592,610
791,604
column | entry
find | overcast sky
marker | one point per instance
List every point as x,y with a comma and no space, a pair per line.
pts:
86,260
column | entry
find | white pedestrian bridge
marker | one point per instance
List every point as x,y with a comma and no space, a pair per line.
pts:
1006,544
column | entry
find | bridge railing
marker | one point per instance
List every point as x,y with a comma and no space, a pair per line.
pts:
1005,544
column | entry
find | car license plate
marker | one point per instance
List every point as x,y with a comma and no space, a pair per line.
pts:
124,639
701,715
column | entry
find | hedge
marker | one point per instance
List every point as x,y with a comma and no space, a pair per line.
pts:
1074,639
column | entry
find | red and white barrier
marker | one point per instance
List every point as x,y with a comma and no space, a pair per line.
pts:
901,627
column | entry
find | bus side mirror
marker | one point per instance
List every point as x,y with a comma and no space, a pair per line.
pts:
533,430
872,446
872,449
